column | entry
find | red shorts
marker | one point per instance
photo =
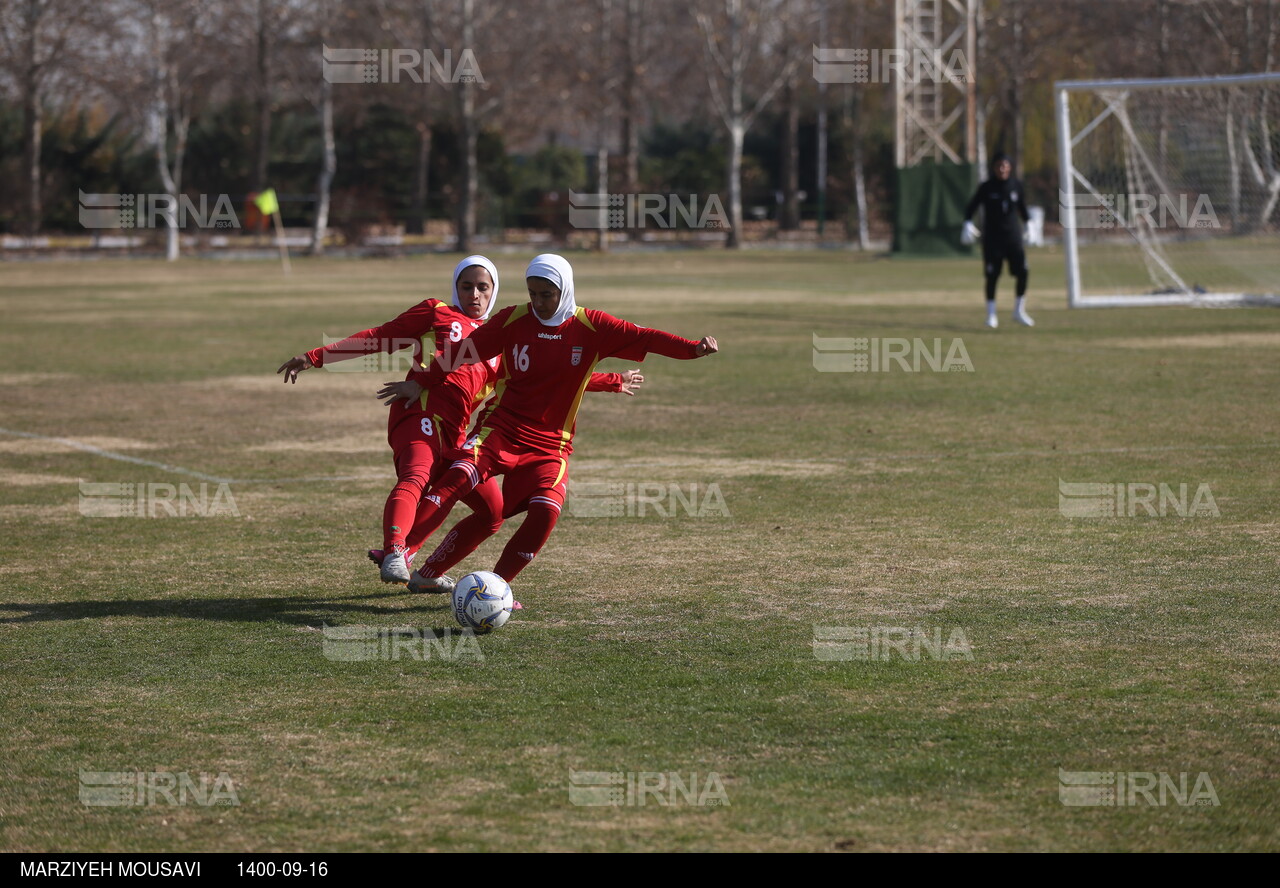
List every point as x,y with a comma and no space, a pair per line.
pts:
531,475
420,441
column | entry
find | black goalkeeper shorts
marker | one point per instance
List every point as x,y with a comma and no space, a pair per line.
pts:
995,255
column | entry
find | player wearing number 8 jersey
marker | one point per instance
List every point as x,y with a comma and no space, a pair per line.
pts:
423,423
548,349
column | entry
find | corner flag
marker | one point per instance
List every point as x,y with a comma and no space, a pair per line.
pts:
267,203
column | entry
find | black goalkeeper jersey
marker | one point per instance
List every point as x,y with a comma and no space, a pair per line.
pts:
1004,209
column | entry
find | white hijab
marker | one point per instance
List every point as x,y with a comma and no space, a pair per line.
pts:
557,270
493,273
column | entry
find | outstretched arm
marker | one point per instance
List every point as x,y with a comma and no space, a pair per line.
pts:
632,343
628,382
402,331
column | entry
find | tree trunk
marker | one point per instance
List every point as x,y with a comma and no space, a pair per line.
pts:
470,173
32,126
417,223
602,187
790,217
470,166
263,150
328,167
631,98
32,121
851,125
172,242
737,133
1018,80
737,127
860,195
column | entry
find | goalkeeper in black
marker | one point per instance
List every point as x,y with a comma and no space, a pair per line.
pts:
1004,210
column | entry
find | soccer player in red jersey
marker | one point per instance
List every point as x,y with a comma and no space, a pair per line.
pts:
431,422
548,348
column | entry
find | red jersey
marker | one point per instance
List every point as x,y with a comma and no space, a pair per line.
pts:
545,370
428,327
432,327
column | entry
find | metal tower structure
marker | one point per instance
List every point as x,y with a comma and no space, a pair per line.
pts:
936,94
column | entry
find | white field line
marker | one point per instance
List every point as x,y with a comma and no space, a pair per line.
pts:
178,470
883,457
110,454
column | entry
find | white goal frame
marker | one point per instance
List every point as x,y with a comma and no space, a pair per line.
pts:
1070,179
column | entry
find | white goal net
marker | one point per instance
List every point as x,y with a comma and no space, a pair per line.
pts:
1170,190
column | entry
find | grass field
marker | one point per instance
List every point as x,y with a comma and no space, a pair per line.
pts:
674,646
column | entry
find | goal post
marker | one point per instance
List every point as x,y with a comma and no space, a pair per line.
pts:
1169,190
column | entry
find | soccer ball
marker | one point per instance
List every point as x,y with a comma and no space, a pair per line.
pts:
482,602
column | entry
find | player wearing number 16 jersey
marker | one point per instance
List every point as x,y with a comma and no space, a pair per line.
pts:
423,424
548,350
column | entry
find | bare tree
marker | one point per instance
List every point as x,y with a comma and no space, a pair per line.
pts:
182,39
793,40
635,28
36,36
414,24
260,29
469,115
322,15
731,40
606,83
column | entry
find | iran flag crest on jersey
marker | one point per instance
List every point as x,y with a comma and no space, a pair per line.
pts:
576,358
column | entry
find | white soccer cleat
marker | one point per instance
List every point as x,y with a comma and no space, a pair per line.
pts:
992,322
395,567
420,585
1021,316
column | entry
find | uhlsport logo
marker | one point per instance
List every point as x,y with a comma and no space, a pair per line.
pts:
882,354
116,211
1110,211
841,65
640,788
1115,789
401,65
1093,499
619,210
113,789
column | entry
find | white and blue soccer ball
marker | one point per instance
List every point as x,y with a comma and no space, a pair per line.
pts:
482,602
